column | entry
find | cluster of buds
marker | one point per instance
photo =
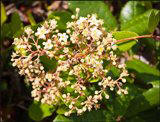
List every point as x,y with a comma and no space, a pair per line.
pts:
80,80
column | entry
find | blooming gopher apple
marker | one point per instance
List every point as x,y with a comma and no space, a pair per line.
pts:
76,76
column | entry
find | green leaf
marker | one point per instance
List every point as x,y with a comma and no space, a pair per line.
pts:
3,14
144,101
141,67
149,98
62,109
154,20
6,31
151,115
93,116
131,10
98,7
126,45
139,24
61,118
62,18
16,25
14,28
49,64
136,119
143,71
119,105
38,111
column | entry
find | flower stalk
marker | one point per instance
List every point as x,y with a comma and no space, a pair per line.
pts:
139,37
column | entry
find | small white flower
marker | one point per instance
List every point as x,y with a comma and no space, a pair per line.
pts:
63,38
73,16
114,47
85,32
123,80
28,31
95,33
49,76
100,49
93,20
53,23
41,31
65,50
107,96
119,92
77,9
64,96
66,114
125,92
80,22
79,111
70,106
68,31
84,109
96,92
48,45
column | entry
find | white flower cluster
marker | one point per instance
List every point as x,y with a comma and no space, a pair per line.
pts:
80,80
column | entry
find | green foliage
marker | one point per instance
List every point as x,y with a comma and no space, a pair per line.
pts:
132,9
14,28
126,45
49,64
3,14
93,116
136,18
62,17
98,7
118,106
143,71
142,23
38,111
153,20
61,109
144,101
150,98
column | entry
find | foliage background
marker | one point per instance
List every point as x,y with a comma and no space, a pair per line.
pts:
142,103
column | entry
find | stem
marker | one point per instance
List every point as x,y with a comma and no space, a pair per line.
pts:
137,37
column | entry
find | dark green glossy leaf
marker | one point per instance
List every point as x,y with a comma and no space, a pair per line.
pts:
14,28
126,45
131,10
151,115
154,20
139,24
62,18
62,109
141,67
149,98
143,71
136,119
38,111
16,25
93,116
144,101
98,7
61,118
49,64
119,105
